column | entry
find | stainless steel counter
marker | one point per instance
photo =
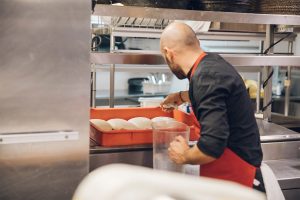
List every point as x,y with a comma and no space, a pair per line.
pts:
287,172
136,155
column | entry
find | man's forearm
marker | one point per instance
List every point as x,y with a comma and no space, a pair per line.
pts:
185,96
194,156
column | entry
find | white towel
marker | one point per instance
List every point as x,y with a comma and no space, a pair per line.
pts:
272,187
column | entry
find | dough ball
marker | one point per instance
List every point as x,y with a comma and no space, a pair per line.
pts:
252,87
251,84
158,119
141,122
101,124
119,124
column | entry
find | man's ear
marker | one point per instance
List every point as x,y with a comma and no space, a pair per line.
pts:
168,53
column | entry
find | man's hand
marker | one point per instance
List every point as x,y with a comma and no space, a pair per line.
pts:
174,99
180,153
177,150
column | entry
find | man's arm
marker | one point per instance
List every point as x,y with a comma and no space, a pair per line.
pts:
177,99
210,92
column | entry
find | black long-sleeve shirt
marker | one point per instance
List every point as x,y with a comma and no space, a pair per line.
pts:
223,107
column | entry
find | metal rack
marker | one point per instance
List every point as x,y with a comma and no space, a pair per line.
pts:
175,14
261,63
236,60
217,35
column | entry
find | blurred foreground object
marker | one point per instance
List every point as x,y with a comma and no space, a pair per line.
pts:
126,182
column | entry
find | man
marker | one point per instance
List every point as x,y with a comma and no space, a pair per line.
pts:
229,146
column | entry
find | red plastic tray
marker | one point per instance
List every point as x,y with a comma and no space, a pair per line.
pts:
131,137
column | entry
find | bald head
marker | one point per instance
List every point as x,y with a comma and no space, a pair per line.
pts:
180,48
179,37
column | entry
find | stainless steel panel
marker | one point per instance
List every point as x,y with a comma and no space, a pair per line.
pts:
287,172
41,170
157,59
172,14
292,194
280,138
45,78
141,158
281,150
268,128
112,75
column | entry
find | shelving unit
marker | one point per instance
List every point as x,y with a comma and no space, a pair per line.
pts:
261,63
236,60
176,14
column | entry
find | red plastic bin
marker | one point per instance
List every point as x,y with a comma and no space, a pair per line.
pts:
133,137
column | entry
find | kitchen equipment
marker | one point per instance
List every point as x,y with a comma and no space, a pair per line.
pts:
102,43
157,83
150,101
178,4
291,7
164,132
135,85
156,88
233,6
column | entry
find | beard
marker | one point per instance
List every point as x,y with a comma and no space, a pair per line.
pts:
176,70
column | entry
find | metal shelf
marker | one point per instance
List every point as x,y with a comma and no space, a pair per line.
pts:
126,58
211,35
157,59
177,14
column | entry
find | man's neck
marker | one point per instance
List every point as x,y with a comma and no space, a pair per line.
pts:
190,61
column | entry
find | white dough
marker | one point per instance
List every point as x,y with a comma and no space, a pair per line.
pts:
158,119
141,122
101,124
119,124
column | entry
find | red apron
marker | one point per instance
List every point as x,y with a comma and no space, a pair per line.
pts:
229,166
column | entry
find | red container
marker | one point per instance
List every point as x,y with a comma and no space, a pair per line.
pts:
132,137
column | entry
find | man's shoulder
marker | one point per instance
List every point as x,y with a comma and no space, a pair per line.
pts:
214,63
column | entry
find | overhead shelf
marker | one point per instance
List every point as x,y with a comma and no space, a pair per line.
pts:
157,59
126,58
211,35
177,14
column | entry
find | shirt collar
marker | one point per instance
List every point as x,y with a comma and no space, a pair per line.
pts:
195,65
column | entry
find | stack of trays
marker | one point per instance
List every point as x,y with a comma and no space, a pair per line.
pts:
290,7
233,6
177,4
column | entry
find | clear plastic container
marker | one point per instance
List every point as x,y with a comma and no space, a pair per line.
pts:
164,132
